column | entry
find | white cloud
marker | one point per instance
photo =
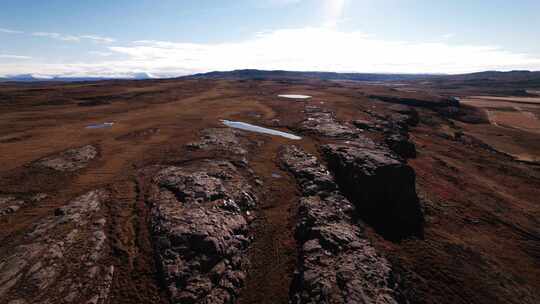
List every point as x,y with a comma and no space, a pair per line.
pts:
326,49
17,57
64,37
314,49
57,36
8,31
98,38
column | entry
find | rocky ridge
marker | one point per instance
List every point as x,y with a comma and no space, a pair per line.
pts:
336,263
323,122
70,160
200,215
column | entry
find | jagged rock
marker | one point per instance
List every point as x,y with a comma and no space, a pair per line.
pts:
401,145
380,185
200,219
324,123
224,139
336,264
70,160
49,260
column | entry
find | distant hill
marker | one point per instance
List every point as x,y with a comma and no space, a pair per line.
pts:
279,74
481,79
36,78
493,80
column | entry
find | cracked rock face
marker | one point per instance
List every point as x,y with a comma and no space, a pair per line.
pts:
336,264
381,186
200,216
70,160
49,259
324,123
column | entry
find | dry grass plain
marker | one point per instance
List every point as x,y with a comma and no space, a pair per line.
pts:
481,242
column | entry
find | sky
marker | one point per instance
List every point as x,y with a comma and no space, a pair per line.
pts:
167,38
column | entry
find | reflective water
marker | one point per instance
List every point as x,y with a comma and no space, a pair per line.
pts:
254,128
295,96
100,125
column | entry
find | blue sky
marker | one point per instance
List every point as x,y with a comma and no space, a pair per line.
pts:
175,37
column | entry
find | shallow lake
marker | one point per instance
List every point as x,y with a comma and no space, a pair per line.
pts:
254,128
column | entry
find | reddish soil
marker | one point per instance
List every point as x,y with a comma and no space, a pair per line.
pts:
482,234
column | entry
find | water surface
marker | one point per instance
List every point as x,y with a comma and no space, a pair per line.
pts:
100,125
295,96
254,128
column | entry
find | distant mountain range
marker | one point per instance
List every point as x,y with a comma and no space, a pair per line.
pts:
487,78
279,74
37,77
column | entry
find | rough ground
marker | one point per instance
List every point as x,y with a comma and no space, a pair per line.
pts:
393,195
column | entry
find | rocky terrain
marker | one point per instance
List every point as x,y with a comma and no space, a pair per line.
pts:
386,193
337,264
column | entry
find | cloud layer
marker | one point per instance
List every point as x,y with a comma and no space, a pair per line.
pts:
311,48
65,37
9,31
16,57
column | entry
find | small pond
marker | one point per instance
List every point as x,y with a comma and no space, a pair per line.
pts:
100,125
295,96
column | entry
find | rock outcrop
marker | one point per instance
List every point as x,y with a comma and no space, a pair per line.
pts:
62,259
410,114
200,215
12,203
324,123
401,144
395,127
70,160
223,139
380,185
336,264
